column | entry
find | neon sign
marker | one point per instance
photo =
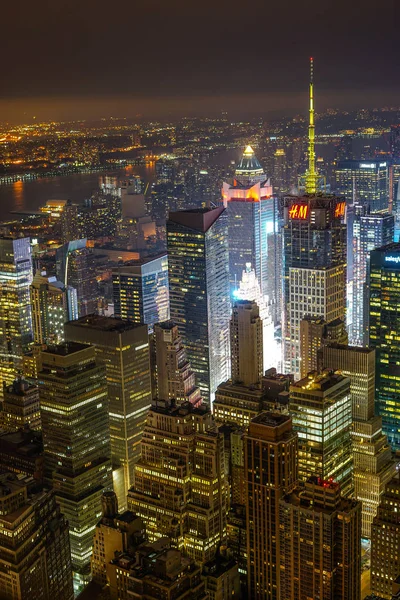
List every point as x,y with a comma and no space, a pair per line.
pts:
340,209
393,259
299,211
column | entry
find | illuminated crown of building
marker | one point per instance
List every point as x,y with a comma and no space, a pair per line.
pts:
311,173
249,164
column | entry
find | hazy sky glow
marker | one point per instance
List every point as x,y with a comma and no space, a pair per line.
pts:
96,58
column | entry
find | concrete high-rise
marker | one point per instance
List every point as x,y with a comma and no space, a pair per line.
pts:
20,406
384,325
182,463
246,343
270,473
315,333
34,542
385,542
320,543
76,268
373,462
15,307
140,291
173,377
53,304
123,349
253,232
199,291
76,437
320,406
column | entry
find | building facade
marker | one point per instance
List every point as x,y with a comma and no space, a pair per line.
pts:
140,291
180,489
384,325
15,307
270,472
20,406
320,543
199,291
320,406
123,349
76,437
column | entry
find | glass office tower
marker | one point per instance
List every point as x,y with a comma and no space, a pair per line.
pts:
252,213
199,291
15,307
140,291
367,180
384,335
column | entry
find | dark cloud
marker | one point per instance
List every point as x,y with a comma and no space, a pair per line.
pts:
128,51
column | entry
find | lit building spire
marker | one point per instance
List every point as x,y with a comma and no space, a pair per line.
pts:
311,174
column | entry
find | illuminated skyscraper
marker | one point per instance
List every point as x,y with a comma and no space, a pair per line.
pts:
123,348
53,304
385,543
199,291
384,327
320,406
270,473
71,227
15,307
373,462
76,268
370,179
249,289
76,437
174,378
180,490
320,543
314,255
141,292
370,231
33,542
252,213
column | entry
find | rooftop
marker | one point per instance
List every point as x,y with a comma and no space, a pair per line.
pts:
249,163
198,219
104,323
66,348
271,419
315,381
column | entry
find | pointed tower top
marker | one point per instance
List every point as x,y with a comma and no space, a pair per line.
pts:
249,150
311,174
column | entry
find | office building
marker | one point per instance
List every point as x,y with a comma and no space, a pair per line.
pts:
320,406
71,227
123,348
15,307
320,543
20,406
270,473
370,231
253,232
115,533
368,178
385,542
140,291
249,289
373,462
246,343
222,578
315,333
21,452
174,377
384,325
76,438
180,488
240,398
76,268
314,255
53,304
34,544
199,291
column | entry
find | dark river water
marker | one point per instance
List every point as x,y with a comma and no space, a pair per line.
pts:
29,196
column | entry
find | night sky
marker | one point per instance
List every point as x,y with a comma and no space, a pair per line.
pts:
82,59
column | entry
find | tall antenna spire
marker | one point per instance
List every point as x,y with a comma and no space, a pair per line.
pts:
311,174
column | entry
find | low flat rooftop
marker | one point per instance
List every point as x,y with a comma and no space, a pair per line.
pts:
66,348
104,323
